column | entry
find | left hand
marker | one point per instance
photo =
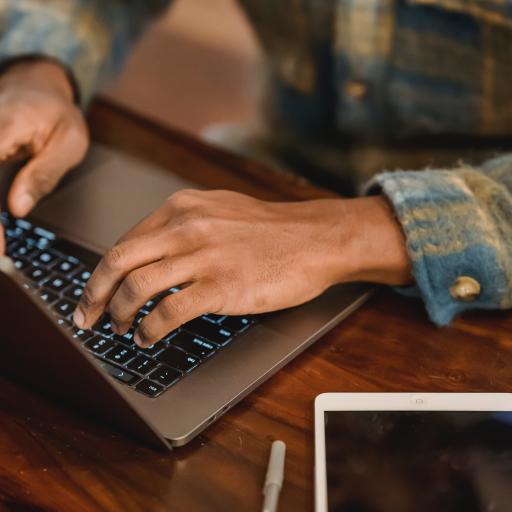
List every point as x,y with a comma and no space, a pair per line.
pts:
235,254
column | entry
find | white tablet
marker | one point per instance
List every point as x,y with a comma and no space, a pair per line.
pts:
422,452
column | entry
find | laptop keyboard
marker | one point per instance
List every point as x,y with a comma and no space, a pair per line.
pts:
58,270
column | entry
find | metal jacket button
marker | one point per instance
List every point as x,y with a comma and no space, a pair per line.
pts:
465,289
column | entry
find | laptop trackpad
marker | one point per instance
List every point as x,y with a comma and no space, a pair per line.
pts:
106,196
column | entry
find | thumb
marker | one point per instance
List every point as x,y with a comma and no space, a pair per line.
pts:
64,149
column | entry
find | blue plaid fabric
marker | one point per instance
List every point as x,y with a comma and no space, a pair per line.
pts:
369,69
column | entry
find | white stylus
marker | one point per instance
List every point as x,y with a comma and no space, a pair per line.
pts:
274,478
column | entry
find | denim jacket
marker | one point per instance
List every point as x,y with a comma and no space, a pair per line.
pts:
378,69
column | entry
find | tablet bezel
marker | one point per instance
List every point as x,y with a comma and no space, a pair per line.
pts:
391,402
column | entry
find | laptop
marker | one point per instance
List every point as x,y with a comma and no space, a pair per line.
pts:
166,394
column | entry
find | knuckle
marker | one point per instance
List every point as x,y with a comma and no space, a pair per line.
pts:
171,307
167,267
200,224
183,198
136,282
115,258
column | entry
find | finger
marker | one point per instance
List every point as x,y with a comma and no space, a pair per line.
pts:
144,283
115,265
152,222
177,309
171,209
64,149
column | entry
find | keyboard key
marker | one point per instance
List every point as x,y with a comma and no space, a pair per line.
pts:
104,327
152,350
42,233
87,258
148,388
215,333
126,339
237,323
37,274
13,246
81,334
99,345
65,324
120,355
193,344
214,319
24,250
142,365
165,376
23,224
178,359
21,264
64,307
120,374
57,284
139,317
41,243
74,292
14,232
82,275
66,266
150,304
48,297
46,257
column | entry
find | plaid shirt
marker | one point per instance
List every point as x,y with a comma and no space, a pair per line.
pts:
374,70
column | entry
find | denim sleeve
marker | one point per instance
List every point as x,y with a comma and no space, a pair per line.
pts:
457,223
89,37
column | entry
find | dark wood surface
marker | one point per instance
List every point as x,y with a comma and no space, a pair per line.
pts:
51,460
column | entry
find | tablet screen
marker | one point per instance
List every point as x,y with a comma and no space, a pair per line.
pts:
418,461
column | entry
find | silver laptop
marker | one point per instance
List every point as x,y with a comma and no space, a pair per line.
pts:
169,393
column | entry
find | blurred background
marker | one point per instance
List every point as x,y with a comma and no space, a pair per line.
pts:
199,64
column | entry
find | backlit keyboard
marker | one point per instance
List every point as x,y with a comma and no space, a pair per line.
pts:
57,270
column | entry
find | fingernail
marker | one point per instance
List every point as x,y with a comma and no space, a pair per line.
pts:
25,203
79,318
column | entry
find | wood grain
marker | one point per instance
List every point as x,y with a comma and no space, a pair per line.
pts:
52,460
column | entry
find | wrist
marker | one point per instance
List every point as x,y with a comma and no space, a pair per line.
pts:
374,246
45,74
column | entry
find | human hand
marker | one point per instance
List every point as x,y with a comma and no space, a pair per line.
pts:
38,117
235,254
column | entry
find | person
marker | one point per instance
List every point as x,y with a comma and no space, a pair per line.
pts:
339,70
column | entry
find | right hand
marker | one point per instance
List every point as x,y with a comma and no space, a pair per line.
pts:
38,116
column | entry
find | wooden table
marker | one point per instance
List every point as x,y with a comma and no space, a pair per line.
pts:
51,460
